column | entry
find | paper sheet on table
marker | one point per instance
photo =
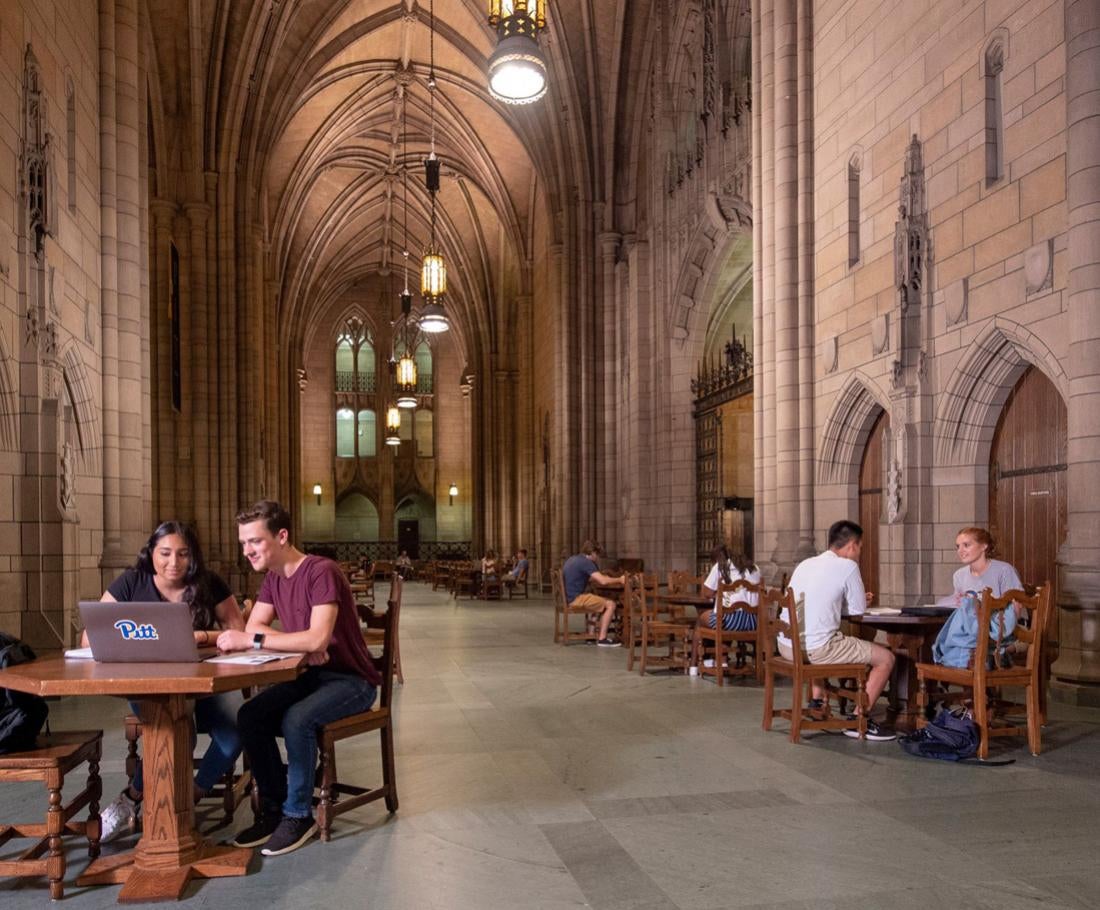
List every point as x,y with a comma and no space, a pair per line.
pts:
883,611
253,658
79,654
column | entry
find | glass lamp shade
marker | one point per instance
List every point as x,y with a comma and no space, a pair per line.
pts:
534,11
517,71
434,319
433,275
453,491
406,382
393,426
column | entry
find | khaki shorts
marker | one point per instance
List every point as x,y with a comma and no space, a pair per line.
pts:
840,649
588,602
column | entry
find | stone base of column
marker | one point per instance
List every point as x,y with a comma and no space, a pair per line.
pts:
1075,675
1080,695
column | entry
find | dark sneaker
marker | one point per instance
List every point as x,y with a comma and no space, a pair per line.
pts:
291,834
875,733
608,643
818,709
260,831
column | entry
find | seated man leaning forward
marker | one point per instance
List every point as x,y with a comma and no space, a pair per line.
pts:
832,586
576,574
316,611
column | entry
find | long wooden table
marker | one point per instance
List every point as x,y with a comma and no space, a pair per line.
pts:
911,639
171,851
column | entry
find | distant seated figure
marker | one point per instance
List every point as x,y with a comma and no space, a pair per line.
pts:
519,570
959,636
726,570
404,565
576,573
489,563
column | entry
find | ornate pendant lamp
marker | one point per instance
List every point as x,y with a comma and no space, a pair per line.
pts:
393,426
433,270
517,68
405,381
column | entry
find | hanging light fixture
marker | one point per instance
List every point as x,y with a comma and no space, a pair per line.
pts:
517,68
405,381
433,270
393,426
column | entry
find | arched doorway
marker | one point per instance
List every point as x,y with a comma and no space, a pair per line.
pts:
870,502
1027,481
356,518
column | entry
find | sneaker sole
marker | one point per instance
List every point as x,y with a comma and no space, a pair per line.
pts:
301,841
614,644
872,737
255,842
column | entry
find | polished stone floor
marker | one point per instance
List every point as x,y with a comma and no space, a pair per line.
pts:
536,776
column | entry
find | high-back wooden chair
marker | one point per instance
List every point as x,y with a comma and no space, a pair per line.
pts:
660,628
53,757
741,643
336,796
516,583
778,614
984,678
632,620
373,635
562,612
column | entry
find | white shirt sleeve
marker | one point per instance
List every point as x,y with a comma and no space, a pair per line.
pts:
714,579
855,596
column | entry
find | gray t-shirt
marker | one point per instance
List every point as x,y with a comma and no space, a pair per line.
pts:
998,575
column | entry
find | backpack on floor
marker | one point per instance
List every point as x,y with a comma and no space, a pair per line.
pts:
949,737
21,714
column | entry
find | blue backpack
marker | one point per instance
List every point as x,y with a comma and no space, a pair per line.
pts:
949,737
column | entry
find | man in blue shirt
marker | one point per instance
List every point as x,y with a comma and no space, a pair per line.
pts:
576,574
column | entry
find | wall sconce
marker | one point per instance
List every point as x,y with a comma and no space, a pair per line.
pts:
452,493
317,492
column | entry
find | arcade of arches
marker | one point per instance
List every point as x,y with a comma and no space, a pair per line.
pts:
749,267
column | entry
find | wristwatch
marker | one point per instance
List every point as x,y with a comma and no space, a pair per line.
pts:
257,641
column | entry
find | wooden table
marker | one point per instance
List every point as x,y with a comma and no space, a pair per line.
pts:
171,851
911,639
701,602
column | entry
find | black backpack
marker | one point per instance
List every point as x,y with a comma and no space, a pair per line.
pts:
21,714
950,736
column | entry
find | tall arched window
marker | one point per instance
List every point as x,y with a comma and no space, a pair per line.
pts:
423,358
424,432
993,64
365,364
406,431
368,434
345,365
345,433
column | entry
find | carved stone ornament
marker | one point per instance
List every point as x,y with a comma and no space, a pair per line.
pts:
67,478
955,300
831,355
895,468
1039,267
911,230
880,334
32,325
303,379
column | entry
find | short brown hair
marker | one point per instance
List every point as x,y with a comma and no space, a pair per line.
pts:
591,548
273,515
981,535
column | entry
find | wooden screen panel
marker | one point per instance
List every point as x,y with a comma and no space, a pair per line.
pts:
1027,484
870,503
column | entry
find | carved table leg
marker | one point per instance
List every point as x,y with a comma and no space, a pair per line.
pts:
170,851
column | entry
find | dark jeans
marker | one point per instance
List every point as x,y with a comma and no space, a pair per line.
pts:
296,710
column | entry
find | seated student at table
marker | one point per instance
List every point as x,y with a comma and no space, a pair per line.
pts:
726,570
489,563
404,565
519,569
959,636
831,585
576,574
170,568
312,600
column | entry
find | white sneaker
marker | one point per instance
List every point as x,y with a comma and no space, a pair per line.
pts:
709,662
118,817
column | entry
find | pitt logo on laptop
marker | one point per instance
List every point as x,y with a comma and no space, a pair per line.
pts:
132,631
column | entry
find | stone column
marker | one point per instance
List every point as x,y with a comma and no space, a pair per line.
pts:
560,431
1077,671
200,401
608,417
168,479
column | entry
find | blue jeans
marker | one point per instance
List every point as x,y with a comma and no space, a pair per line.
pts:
216,715
296,710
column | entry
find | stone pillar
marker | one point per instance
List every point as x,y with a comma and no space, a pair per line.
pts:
560,431
1077,671
607,483
200,401
168,479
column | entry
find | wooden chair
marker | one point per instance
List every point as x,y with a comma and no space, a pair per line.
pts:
231,789
54,756
336,796
684,583
373,635
492,587
722,641
516,583
562,612
983,683
659,627
632,621
778,613
465,582
382,571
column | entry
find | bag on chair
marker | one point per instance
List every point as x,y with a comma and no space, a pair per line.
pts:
21,714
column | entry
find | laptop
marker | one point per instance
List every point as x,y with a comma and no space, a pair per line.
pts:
158,632
928,610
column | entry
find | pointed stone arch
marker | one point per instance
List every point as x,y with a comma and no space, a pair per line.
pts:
847,427
85,408
976,392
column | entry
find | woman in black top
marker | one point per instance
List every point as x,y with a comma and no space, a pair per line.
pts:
170,568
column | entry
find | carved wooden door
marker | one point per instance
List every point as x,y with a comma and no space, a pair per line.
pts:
870,503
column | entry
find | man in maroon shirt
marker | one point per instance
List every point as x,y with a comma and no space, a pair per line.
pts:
316,611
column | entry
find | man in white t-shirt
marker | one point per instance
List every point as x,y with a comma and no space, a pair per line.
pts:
832,587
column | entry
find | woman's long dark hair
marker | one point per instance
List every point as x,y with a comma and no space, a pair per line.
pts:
721,555
198,595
